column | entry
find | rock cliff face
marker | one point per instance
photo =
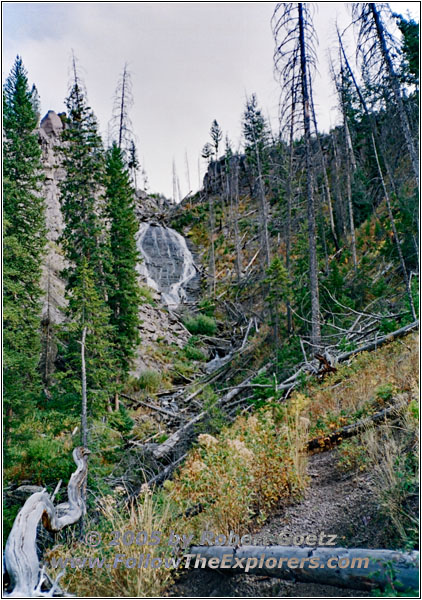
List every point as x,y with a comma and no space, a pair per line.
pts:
168,266
52,282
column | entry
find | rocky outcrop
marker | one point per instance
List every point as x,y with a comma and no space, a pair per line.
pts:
171,260
52,283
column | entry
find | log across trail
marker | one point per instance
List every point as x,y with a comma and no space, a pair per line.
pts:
354,568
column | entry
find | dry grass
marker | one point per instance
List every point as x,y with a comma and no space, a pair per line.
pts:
149,515
393,454
356,390
231,481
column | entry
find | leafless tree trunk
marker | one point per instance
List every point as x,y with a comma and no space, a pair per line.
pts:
313,262
233,192
390,567
21,557
326,182
84,420
337,171
381,176
395,84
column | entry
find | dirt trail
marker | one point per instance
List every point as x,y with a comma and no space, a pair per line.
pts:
335,503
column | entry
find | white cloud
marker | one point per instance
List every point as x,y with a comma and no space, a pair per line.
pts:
191,63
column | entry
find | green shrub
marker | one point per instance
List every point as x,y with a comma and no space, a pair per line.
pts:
207,307
150,380
192,352
121,421
146,295
384,391
200,325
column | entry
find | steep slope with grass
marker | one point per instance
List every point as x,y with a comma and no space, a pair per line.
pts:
255,477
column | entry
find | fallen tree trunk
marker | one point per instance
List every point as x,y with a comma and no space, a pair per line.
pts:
20,555
349,431
380,341
353,568
373,345
171,442
168,413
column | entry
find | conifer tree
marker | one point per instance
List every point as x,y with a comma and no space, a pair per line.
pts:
24,242
255,131
85,242
122,286
81,190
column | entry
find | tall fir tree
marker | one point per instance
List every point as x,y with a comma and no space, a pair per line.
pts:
85,240
24,243
123,296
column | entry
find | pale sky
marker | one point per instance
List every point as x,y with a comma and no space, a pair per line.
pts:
191,62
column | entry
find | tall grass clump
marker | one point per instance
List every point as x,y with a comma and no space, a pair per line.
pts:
150,380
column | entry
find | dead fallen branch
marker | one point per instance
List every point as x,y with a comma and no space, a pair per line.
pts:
375,344
153,407
348,431
20,556
352,568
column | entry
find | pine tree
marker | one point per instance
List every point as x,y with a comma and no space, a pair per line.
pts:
255,131
87,312
24,242
85,240
81,190
122,286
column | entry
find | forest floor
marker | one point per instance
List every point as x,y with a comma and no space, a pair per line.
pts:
335,502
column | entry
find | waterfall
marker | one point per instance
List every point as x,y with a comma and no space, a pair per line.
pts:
168,264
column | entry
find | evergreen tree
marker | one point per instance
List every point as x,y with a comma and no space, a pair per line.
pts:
410,48
255,131
82,189
122,288
85,242
24,242
86,311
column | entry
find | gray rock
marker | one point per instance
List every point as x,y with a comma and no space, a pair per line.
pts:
52,124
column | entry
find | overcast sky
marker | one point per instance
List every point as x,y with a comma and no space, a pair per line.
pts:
191,62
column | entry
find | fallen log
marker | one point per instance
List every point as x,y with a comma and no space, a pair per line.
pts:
171,442
20,556
373,345
380,341
352,568
353,429
173,415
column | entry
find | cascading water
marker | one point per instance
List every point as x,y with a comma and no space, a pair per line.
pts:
168,264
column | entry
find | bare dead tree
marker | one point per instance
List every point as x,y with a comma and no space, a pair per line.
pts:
295,61
174,181
232,194
21,560
350,162
381,176
120,124
187,170
376,46
84,412
325,176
